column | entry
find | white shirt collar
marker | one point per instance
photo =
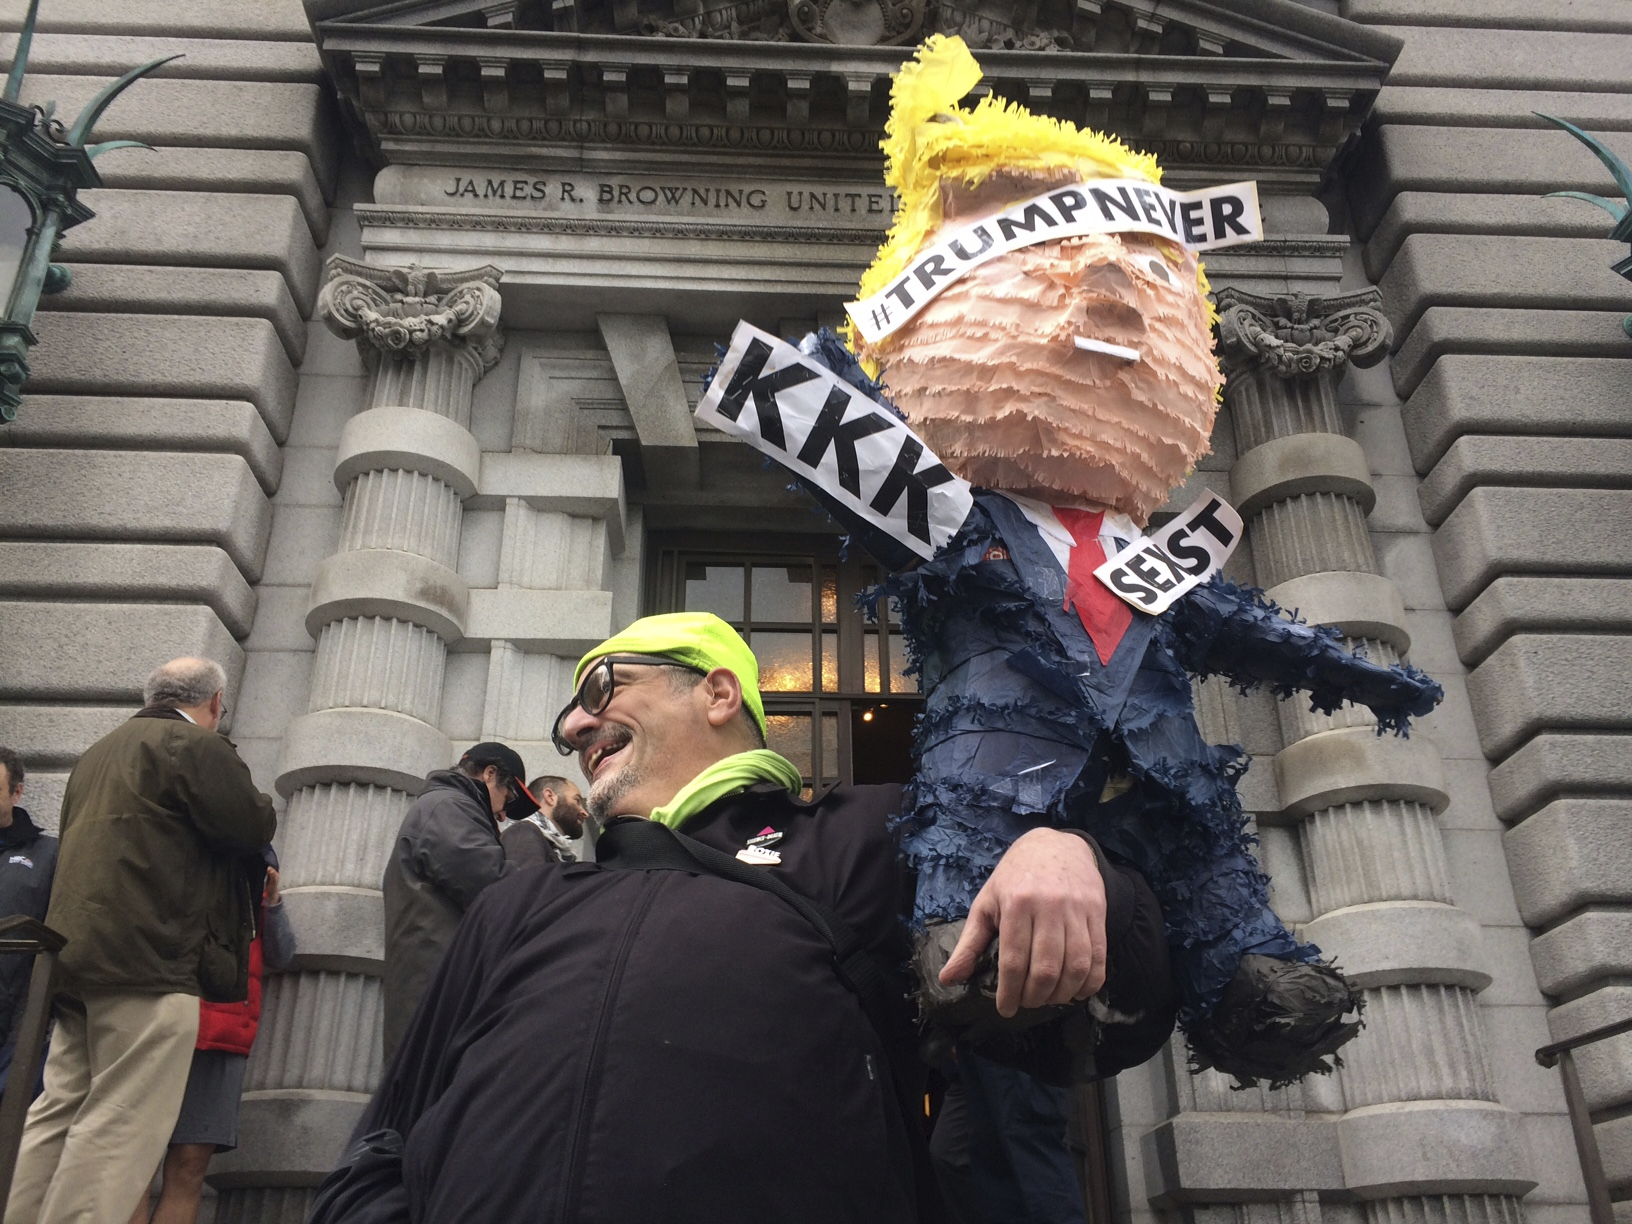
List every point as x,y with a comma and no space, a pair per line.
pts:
1116,530
185,715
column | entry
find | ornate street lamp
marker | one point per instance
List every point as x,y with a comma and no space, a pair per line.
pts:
1622,232
43,166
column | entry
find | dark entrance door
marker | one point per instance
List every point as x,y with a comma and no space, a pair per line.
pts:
837,697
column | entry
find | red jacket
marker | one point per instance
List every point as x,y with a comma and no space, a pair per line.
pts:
231,1026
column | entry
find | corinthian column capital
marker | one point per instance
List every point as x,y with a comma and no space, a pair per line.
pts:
407,312
1297,336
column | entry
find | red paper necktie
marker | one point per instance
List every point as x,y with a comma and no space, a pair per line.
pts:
1104,615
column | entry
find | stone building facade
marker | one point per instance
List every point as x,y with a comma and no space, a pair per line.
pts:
374,383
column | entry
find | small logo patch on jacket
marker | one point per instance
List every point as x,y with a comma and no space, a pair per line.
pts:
765,837
759,856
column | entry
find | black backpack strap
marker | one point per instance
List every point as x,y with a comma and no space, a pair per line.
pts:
645,845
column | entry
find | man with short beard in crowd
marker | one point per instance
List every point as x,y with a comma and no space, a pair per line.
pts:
709,1023
547,836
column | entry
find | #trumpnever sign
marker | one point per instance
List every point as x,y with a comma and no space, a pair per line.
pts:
773,397
1198,220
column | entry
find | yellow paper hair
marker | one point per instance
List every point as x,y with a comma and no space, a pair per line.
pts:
930,137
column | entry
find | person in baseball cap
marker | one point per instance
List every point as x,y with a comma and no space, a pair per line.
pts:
508,771
699,641
446,852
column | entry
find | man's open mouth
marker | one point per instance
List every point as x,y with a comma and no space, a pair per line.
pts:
603,750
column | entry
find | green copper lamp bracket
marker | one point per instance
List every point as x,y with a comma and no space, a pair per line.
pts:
46,165
1619,209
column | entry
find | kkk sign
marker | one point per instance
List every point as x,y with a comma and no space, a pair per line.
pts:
1196,220
774,398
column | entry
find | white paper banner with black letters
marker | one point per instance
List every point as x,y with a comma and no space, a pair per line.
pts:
776,399
1154,571
1198,220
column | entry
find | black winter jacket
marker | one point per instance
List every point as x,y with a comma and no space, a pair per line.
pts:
28,860
527,845
446,852
669,1047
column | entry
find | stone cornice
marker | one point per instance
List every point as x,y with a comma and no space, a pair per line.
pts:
501,88
394,128
548,45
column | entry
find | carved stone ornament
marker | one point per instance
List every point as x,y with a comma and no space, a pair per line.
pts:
858,23
404,312
987,24
1298,336
731,20
855,23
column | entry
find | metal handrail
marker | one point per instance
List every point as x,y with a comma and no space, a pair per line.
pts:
21,933
1561,1054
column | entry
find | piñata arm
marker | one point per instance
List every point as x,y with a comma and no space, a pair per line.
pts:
1221,629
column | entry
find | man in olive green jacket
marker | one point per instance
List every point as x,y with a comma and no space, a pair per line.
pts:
161,835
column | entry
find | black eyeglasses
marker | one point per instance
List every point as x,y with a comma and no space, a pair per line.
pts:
599,683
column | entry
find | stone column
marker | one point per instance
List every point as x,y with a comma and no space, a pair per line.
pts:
1421,1136
384,609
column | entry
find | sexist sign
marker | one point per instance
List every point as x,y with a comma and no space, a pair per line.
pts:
1154,571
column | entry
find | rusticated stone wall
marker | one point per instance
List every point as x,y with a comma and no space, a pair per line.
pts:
142,473
1516,381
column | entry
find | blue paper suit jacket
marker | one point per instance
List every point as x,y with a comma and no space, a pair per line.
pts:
1024,726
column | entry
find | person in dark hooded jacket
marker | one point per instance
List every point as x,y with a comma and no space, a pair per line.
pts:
447,851
28,860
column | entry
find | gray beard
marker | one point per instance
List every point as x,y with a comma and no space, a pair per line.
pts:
604,797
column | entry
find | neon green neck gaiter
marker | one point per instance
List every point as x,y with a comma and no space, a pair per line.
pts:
726,777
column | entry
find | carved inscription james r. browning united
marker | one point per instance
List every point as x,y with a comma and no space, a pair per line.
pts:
768,201
642,193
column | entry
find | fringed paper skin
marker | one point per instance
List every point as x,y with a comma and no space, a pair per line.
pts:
931,141
1024,726
989,373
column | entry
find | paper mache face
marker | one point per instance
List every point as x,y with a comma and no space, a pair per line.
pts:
991,375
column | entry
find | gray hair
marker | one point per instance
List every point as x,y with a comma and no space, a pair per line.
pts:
682,681
184,682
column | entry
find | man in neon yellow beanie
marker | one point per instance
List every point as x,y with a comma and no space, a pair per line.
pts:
695,654
710,1023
